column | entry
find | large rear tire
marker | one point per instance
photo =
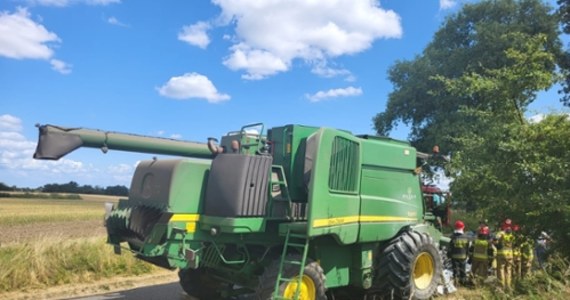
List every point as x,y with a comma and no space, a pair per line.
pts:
312,283
409,267
197,283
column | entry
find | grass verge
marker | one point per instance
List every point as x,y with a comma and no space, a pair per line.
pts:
56,261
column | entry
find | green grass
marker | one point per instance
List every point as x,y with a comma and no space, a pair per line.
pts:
52,262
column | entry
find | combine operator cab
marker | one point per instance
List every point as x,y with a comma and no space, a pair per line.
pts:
438,203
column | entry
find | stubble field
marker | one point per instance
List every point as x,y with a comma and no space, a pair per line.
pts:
47,243
26,220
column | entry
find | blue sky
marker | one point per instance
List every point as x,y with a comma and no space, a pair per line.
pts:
193,69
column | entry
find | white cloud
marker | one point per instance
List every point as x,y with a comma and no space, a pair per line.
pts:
196,34
122,173
176,136
60,66
540,117
446,4
334,93
536,118
116,22
16,151
23,38
58,3
271,34
192,85
259,63
10,123
323,70
102,2
17,163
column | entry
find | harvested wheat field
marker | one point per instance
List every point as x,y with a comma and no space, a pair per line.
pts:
28,219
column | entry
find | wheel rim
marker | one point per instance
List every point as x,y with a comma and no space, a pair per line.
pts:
307,289
423,271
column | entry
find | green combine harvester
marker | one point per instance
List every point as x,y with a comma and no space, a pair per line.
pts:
298,213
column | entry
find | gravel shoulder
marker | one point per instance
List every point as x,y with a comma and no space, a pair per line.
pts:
99,287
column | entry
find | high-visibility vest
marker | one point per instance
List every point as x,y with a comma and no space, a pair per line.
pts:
505,246
527,252
481,249
459,247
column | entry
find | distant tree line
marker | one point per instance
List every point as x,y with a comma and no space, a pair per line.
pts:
73,187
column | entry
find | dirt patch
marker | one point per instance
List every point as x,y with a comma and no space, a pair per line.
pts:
31,232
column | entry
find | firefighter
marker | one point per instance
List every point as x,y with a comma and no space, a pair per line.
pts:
492,258
505,241
458,252
527,256
480,257
517,251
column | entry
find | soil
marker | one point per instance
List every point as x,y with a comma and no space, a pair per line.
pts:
71,229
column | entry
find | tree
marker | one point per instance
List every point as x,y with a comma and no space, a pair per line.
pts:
117,190
564,59
4,187
491,40
519,172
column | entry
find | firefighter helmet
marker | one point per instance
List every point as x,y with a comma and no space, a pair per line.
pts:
459,225
516,227
484,230
507,224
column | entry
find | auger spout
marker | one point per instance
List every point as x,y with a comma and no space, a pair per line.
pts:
55,142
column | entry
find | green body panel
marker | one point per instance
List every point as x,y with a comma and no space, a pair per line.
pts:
176,185
289,143
331,212
233,225
390,200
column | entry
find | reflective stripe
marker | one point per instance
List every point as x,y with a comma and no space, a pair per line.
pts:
459,247
507,253
516,253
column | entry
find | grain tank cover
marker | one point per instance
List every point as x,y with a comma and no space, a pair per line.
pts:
238,186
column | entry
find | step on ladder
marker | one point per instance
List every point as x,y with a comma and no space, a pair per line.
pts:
293,241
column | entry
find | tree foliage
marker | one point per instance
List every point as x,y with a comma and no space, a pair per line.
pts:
564,59
500,41
519,172
468,93
74,187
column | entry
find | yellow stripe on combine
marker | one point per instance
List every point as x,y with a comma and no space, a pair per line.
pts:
191,227
355,219
190,220
184,218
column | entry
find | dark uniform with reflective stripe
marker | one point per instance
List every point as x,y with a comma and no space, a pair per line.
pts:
458,249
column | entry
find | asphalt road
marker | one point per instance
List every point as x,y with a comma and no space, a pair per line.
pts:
166,291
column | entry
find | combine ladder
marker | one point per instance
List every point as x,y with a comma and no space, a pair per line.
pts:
293,241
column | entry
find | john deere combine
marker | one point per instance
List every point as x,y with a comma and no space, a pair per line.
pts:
299,213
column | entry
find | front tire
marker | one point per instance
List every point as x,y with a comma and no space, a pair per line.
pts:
409,267
197,283
312,283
